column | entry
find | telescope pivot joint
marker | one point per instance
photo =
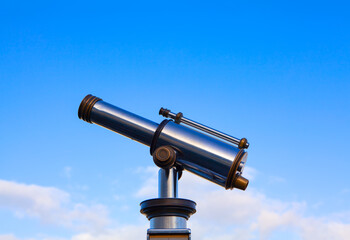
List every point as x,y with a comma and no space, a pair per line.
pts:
164,157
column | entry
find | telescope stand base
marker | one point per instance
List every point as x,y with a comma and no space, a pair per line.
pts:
168,218
169,234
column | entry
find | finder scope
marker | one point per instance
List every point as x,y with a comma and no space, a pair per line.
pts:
211,154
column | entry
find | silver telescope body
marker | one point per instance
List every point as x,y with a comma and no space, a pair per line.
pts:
212,158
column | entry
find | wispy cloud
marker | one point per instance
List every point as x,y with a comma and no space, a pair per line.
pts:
51,206
221,215
276,179
67,171
9,237
251,214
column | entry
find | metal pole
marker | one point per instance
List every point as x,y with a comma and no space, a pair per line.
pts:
167,188
167,183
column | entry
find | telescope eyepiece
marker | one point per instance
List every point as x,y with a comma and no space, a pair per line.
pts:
241,182
86,106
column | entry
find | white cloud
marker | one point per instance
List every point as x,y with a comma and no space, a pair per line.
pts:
149,188
276,179
250,173
8,237
129,232
67,172
13,237
228,215
221,214
50,205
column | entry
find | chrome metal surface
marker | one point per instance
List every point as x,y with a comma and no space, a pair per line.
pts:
206,129
167,183
169,231
210,130
199,153
123,122
242,165
176,234
205,155
168,222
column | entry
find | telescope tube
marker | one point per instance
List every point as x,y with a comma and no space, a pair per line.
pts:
94,110
199,153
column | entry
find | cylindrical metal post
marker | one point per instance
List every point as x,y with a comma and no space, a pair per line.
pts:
167,180
167,188
168,222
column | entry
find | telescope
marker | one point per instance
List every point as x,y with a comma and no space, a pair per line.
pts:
176,144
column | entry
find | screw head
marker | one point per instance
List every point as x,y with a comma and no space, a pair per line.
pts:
164,157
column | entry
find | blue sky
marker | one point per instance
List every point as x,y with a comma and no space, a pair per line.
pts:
276,73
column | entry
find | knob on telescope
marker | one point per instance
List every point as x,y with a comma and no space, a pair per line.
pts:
164,157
